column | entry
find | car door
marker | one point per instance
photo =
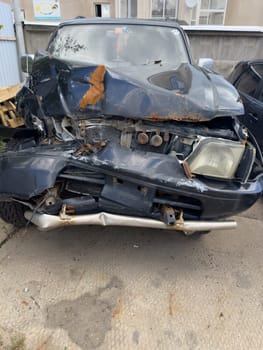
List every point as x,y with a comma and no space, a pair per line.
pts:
250,86
253,118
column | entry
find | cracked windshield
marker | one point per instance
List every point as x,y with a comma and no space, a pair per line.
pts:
121,45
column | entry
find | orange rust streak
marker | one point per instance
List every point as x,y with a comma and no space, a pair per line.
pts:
187,170
96,91
185,118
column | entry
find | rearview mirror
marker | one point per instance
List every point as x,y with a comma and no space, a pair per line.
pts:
27,63
207,63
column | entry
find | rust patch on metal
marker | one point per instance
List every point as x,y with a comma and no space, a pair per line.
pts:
64,217
96,91
70,210
187,170
88,148
185,118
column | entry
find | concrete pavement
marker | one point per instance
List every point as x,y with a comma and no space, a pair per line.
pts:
125,288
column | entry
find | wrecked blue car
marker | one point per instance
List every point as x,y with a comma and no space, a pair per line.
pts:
123,129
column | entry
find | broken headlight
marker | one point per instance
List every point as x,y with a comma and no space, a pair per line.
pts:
216,158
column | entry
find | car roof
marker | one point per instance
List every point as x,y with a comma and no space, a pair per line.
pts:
96,20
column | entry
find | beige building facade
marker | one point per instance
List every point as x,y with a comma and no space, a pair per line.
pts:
193,12
244,12
205,12
68,9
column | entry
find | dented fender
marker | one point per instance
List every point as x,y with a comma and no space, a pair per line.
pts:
25,174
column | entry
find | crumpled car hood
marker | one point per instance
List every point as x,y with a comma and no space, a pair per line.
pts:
157,92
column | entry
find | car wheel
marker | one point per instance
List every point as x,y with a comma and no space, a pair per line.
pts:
13,213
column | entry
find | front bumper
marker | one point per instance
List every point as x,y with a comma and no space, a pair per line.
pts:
49,222
29,173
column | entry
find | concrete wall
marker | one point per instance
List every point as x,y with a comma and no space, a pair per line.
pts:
37,37
226,47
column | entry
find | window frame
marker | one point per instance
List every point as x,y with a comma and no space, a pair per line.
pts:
163,15
209,11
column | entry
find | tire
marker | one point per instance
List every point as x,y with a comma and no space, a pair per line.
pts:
13,213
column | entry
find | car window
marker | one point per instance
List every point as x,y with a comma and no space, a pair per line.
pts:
258,68
248,82
112,44
260,96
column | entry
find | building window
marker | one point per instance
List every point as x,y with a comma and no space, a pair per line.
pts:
164,8
98,10
102,10
212,12
128,8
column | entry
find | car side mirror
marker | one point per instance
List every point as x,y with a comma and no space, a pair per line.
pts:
27,63
207,63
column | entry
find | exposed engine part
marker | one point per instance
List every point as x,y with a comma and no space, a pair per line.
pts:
63,129
88,148
156,141
38,124
51,200
97,133
101,129
142,138
168,215
171,138
126,139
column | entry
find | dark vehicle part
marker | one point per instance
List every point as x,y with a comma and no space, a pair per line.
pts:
144,138
13,213
247,77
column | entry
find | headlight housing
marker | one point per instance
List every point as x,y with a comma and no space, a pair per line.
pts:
216,158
